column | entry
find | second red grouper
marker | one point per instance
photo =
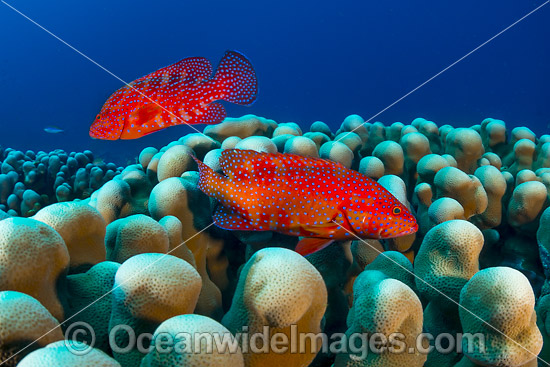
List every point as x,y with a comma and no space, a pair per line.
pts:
318,199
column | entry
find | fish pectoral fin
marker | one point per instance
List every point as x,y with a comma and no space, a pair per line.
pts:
228,219
145,114
323,229
308,245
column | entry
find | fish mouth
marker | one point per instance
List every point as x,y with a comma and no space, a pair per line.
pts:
94,135
384,234
107,135
411,230
104,130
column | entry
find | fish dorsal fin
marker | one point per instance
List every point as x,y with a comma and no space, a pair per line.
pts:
235,162
228,219
308,246
194,68
248,163
294,161
191,69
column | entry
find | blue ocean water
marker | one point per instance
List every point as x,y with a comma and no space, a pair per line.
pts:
315,60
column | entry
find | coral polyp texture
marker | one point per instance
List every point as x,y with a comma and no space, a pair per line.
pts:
133,254
30,181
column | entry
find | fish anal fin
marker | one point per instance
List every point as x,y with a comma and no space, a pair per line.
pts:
308,246
228,219
215,113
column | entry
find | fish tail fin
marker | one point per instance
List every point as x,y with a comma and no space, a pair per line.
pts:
210,182
236,79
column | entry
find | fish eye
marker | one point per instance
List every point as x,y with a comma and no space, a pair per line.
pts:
396,210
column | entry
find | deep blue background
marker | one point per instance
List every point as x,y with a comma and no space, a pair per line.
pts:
315,60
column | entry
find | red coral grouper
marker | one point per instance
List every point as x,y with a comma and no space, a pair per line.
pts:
320,200
182,93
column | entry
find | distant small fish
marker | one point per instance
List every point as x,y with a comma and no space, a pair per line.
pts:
181,93
53,130
317,199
